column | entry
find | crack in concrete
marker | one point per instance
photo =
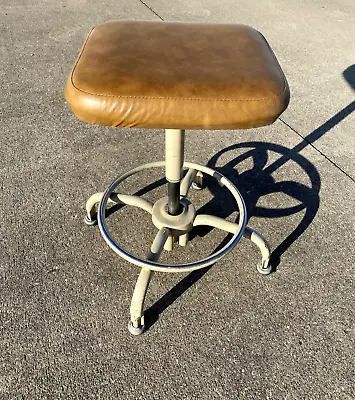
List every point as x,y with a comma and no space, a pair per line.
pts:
309,142
284,122
150,8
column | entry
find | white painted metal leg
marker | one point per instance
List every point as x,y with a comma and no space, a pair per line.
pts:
158,244
91,211
169,244
134,201
216,222
183,239
264,267
136,325
198,182
115,198
187,182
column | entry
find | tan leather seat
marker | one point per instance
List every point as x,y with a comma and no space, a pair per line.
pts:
175,75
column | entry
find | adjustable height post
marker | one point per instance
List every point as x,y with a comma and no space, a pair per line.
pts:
174,198
174,159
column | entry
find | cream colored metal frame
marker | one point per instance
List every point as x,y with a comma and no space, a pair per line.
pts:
172,228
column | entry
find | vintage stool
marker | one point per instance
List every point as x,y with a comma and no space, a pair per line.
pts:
175,76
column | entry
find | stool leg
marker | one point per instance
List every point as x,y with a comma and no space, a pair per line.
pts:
115,198
187,182
192,178
169,244
183,239
91,211
264,267
198,183
136,325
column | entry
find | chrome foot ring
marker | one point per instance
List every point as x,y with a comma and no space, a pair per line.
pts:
155,266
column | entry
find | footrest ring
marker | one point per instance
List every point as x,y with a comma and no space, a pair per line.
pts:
167,267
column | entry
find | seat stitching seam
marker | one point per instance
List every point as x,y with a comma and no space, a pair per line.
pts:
173,98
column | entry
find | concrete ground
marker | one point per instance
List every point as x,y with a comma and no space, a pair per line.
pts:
225,333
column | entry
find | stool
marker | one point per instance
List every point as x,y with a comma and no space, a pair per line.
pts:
175,76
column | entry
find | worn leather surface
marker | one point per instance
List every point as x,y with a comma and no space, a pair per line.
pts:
176,75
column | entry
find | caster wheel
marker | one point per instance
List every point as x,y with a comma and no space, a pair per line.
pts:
264,271
198,182
135,331
196,186
89,222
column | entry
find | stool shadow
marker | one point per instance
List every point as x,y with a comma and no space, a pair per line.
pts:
254,184
258,182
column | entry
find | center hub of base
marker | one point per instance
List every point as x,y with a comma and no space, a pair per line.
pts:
179,224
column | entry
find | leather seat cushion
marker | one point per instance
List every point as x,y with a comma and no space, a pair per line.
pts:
177,75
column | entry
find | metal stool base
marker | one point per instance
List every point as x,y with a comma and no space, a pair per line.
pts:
172,228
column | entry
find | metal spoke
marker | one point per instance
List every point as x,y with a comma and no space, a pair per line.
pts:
140,290
216,222
134,201
187,182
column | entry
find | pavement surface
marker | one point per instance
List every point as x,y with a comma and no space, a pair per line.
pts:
223,333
